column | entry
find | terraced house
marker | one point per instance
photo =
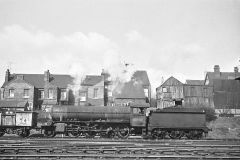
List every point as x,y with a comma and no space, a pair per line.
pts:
101,90
40,91
35,91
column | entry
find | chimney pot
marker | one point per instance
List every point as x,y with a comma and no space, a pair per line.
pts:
47,76
236,69
7,75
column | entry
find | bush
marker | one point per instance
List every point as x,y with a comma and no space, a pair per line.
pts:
210,114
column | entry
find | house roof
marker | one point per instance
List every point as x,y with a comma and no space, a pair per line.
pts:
37,80
141,76
130,89
195,82
221,75
91,80
13,104
171,81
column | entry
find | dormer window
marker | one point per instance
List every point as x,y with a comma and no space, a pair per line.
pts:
63,94
41,94
95,93
50,93
11,93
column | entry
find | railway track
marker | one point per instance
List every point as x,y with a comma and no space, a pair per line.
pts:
120,152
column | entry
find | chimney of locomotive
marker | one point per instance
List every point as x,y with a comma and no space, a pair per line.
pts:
7,75
46,76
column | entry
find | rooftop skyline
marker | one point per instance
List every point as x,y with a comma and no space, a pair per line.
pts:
166,38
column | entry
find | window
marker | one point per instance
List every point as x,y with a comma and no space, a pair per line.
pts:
146,92
11,93
138,111
50,93
41,94
207,81
26,93
205,92
95,92
82,96
30,106
164,89
110,93
192,91
63,94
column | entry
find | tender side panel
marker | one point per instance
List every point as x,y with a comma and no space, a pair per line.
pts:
177,120
24,119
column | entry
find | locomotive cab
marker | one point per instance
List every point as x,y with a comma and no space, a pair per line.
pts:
138,118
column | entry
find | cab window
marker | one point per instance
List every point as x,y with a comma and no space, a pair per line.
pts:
138,111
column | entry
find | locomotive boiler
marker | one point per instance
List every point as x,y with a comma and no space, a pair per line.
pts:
90,113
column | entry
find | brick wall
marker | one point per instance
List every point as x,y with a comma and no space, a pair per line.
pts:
92,98
18,86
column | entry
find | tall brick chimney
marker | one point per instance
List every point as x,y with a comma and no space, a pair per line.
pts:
7,75
216,69
236,69
46,76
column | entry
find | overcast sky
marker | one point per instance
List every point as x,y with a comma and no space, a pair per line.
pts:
182,38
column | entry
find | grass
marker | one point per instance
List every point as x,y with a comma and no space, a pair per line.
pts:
225,128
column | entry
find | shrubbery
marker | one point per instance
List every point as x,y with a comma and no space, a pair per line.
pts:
210,113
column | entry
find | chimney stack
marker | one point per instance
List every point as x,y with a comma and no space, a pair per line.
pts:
216,69
47,76
236,69
103,72
7,75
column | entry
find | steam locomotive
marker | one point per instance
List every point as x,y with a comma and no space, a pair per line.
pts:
107,121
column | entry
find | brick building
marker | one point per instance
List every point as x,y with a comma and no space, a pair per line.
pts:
217,74
91,91
36,91
130,92
101,90
219,90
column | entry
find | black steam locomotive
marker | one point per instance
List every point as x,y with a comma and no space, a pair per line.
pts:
108,121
